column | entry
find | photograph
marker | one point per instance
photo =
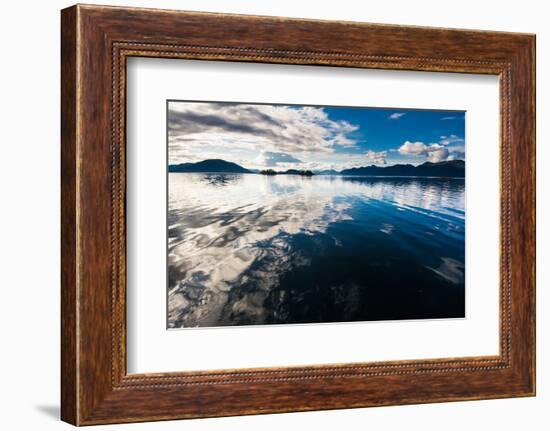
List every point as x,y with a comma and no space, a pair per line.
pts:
300,214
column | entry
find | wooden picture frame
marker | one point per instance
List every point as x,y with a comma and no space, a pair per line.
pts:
95,43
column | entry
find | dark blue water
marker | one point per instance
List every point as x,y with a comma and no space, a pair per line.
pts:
246,249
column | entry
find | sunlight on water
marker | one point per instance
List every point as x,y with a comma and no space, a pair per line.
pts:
253,249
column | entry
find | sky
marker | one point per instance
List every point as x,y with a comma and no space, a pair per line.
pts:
282,137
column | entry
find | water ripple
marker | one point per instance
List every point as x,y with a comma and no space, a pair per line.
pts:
233,238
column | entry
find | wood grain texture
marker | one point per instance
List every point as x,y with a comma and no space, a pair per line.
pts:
69,397
96,41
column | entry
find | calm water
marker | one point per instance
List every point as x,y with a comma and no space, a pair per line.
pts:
251,249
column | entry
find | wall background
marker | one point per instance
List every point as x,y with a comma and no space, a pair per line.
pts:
29,227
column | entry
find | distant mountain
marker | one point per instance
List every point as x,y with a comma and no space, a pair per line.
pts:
451,168
211,165
327,172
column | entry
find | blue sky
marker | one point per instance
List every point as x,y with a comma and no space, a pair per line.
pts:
312,137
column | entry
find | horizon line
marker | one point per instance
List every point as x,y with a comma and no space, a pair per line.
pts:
322,169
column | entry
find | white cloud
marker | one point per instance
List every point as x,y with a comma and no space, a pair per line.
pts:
378,157
271,159
455,146
396,115
433,152
451,139
413,149
229,128
437,153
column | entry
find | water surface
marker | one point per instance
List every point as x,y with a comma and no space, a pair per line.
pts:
248,249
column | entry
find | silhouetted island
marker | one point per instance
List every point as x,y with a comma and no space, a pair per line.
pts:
268,172
287,172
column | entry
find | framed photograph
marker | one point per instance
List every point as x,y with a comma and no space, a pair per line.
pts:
264,215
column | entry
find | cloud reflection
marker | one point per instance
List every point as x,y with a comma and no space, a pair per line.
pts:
229,233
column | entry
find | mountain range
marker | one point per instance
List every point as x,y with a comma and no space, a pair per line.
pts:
451,168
